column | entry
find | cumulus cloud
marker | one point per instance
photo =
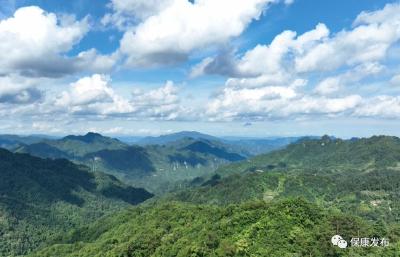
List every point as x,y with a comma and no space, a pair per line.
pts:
269,62
308,74
275,103
369,40
383,106
334,84
317,50
170,34
95,96
18,90
161,103
127,13
35,43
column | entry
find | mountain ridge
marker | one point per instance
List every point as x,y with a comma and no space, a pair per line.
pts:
40,197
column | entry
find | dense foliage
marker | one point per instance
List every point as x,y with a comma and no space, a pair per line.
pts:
39,198
291,227
326,153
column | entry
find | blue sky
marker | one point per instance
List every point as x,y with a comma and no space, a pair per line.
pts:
224,67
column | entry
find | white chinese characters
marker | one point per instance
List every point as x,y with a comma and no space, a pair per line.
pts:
369,242
338,241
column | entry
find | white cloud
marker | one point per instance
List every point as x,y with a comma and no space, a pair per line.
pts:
272,63
32,40
18,90
128,12
267,59
161,103
395,81
35,43
181,27
336,64
276,103
163,95
328,86
334,84
369,41
199,69
93,61
383,106
93,95
360,50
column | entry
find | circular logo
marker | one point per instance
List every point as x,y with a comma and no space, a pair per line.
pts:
342,244
335,239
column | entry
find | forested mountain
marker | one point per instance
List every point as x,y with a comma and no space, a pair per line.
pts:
156,167
40,198
292,227
326,153
329,170
72,147
252,208
276,204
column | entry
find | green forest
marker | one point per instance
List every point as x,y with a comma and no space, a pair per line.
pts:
287,202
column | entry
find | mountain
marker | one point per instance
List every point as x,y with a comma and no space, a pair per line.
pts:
291,227
158,168
242,145
169,138
42,197
325,153
13,141
285,203
360,177
219,152
257,146
113,155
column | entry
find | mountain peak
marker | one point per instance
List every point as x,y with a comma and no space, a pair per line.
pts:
169,138
93,135
90,137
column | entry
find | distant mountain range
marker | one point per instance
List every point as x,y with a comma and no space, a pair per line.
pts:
156,167
13,141
169,138
244,145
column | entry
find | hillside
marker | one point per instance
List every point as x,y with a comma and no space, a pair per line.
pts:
292,227
325,154
40,198
358,177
